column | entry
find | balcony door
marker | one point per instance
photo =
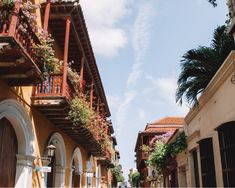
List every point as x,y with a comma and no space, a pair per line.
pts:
8,151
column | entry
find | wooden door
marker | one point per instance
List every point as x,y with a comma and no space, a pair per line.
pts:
75,178
8,151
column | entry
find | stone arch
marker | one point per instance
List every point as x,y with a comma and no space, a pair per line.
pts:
57,140
16,114
78,165
20,121
89,168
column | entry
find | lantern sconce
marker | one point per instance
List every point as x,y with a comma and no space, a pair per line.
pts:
50,153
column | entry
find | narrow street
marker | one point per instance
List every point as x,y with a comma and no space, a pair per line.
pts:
117,93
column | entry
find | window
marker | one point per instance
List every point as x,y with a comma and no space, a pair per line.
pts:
145,140
207,163
195,167
226,134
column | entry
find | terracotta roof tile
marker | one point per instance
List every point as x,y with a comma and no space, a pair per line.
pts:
158,129
169,121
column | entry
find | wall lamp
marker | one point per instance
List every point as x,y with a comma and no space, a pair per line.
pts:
50,153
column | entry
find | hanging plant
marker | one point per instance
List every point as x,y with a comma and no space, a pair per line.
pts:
145,148
58,68
44,50
117,171
80,113
74,78
28,9
6,9
45,53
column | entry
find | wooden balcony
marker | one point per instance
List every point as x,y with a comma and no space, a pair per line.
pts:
18,61
53,101
106,160
141,158
80,48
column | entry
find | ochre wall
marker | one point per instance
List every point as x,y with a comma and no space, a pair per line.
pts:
42,129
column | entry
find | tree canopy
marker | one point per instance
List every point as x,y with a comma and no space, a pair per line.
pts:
199,65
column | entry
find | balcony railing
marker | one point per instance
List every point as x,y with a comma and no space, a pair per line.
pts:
53,100
18,60
52,87
142,156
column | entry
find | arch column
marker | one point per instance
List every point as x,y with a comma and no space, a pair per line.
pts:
98,176
13,111
24,168
59,176
60,154
77,158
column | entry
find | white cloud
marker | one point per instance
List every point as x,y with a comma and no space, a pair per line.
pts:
122,112
165,88
142,114
113,101
102,17
141,39
107,41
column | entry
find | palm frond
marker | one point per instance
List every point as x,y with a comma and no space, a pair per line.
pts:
213,2
199,65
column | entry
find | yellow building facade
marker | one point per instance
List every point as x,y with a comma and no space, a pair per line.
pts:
34,106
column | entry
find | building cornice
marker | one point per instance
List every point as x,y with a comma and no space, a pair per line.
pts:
222,74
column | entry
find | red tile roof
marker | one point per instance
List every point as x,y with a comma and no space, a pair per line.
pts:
169,121
165,124
160,127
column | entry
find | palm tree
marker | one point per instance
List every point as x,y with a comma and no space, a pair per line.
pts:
199,65
213,2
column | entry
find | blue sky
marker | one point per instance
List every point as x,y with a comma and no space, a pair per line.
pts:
138,45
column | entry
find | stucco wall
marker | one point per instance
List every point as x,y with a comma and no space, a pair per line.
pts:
216,106
42,130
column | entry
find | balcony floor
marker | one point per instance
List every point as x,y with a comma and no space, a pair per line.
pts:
16,66
56,110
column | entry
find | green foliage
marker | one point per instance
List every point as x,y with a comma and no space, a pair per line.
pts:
45,52
135,179
162,152
199,65
159,156
179,145
117,171
74,78
80,113
145,148
58,68
6,9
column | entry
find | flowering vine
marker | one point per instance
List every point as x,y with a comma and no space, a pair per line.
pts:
163,153
44,50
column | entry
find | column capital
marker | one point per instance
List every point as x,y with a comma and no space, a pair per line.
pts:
59,169
25,160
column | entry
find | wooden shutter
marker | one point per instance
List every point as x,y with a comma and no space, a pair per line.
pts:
195,167
227,151
8,151
207,163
